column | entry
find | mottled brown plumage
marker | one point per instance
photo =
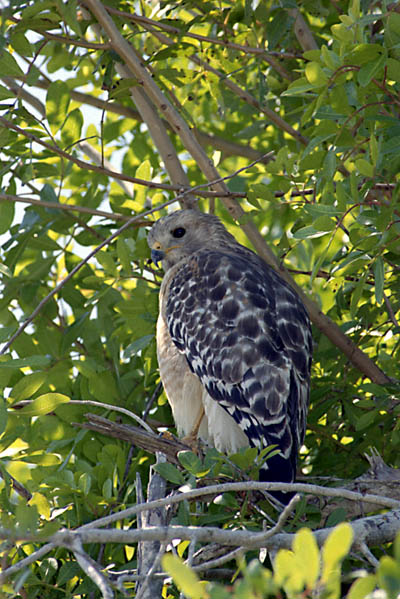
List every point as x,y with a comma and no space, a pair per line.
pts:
233,339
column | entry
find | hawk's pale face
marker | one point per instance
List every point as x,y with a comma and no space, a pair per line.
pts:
182,233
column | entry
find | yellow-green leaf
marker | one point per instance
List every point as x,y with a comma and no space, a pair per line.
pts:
373,148
142,172
336,547
187,580
42,504
57,102
28,385
365,167
44,404
287,572
307,555
342,33
315,75
379,276
362,587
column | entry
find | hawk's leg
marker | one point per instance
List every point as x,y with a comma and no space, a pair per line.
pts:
191,439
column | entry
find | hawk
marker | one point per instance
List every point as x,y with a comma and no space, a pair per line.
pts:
233,342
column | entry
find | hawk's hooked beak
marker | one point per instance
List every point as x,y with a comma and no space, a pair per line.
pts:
157,256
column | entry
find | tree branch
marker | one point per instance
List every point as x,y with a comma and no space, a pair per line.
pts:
372,530
6,197
149,554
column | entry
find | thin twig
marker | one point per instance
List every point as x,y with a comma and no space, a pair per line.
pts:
6,197
364,549
283,517
106,406
390,310
89,566
219,561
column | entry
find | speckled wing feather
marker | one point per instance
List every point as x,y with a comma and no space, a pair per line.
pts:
246,335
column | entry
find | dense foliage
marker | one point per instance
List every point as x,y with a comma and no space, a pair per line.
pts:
297,106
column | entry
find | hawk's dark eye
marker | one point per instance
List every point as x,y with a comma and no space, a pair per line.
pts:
178,232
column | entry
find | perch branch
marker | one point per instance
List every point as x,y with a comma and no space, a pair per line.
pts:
148,441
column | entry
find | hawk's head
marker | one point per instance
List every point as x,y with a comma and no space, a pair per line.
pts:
183,233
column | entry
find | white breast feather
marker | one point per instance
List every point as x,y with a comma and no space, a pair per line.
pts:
186,396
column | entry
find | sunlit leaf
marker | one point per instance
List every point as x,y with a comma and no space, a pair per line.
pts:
44,404
185,578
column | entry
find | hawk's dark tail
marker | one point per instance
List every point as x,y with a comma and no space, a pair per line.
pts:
278,469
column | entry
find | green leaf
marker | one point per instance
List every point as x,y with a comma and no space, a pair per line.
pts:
379,276
365,53
26,517
393,69
365,167
107,489
67,572
85,483
317,210
137,346
72,127
7,211
21,44
373,148
9,66
298,87
362,587
331,59
3,416
31,362
370,70
187,580
123,254
28,385
6,93
308,232
388,575
69,11
315,75
324,223
170,473
57,102
329,166
262,191
393,23
192,463
107,261
342,32
44,404
357,293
